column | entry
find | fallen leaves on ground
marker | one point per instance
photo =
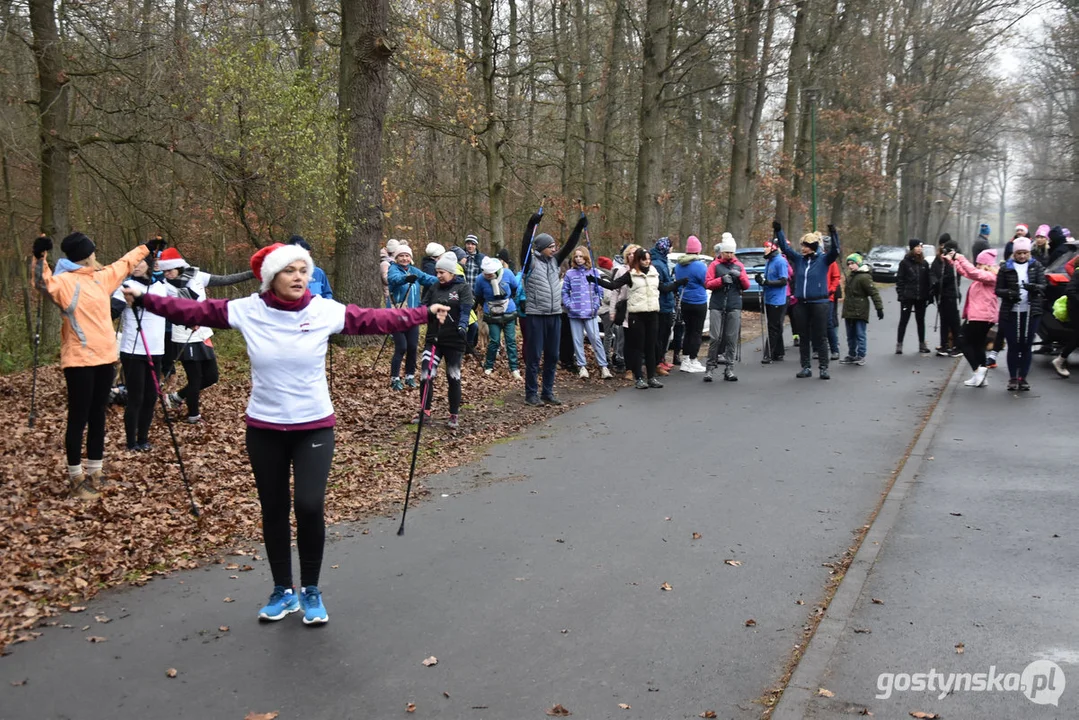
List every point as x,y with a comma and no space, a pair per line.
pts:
558,711
625,706
665,587
696,536
825,692
430,661
55,551
877,601
960,648
708,714
97,639
410,708
171,672
261,716
733,563
924,715
751,623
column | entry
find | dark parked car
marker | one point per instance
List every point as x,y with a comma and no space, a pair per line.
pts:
753,259
883,261
1052,332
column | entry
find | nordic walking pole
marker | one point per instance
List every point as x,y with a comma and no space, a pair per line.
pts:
164,411
419,430
37,342
386,339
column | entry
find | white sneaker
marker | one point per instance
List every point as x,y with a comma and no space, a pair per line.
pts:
686,366
973,381
1060,364
488,371
979,378
697,367
516,374
582,373
173,401
605,374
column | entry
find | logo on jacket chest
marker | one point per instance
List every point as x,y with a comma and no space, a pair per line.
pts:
454,295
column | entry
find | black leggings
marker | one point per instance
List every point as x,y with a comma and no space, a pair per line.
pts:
87,398
906,308
974,334
453,360
404,347
641,340
275,455
949,323
141,397
775,315
663,335
813,321
693,316
201,374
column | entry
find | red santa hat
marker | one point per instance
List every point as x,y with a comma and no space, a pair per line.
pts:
272,259
171,259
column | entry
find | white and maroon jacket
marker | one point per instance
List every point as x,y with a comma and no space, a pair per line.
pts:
286,344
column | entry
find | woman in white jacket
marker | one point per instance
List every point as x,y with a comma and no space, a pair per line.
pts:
642,314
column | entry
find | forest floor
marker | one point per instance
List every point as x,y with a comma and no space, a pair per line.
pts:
56,552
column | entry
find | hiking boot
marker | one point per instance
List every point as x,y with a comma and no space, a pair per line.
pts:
144,447
804,373
605,374
641,384
97,480
766,361
943,352
708,376
1013,384
532,400
582,373
396,384
515,374
1023,385
84,490
848,360
924,349
824,374
860,360
551,400
314,612
452,422
416,418
1060,364
899,349
410,381
282,601
653,383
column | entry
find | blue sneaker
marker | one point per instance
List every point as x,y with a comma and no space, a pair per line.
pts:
283,601
314,612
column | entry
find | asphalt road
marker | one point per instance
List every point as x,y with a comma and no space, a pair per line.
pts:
535,576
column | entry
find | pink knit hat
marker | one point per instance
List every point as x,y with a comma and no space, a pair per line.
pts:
987,257
1020,244
693,245
1042,231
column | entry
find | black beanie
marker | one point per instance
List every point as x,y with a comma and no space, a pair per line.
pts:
914,242
951,245
944,239
77,247
298,240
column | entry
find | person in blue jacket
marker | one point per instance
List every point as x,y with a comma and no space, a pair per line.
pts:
775,281
320,284
493,291
811,289
694,303
403,279
666,303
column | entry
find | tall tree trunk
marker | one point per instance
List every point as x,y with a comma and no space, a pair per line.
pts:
52,108
605,113
796,70
364,88
650,151
746,66
492,139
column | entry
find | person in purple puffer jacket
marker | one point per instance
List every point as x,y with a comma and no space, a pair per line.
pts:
581,297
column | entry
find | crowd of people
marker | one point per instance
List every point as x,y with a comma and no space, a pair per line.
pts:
631,309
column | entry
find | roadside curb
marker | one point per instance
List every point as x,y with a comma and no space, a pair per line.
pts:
809,674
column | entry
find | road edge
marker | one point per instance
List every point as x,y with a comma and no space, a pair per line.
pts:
813,664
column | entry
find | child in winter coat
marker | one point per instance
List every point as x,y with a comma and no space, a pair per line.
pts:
980,311
404,280
494,290
860,289
446,340
582,297
1021,288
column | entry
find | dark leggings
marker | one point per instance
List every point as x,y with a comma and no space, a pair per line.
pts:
693,316
949,323
663,335
405,345
201,374
641,340
275,455
813,321
974,334
906,308
141,397
1019,328
87,398
452,359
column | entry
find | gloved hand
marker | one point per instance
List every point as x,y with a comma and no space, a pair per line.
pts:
776,227
156,245
759,279
1014,297
410,279
682,282
728,279
463,332
42,246
831,229
591,278
880,314
582,223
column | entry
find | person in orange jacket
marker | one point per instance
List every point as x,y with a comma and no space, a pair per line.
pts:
835,294
88,349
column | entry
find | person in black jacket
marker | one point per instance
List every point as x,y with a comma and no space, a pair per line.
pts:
946,293
446,341
1021,289
913,287
1060,362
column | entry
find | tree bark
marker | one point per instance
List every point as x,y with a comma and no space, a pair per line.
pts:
648,209
364,88
799,56
746,66
52,107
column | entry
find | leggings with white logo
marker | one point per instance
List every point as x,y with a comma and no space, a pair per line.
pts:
276,455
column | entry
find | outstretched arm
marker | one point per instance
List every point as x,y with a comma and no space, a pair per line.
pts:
526,239
574,238
222,280
212,313
383,321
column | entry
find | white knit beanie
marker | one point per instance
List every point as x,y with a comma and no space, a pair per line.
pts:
727,243
402,249
391,247
435,250
490,265
280,258
447,262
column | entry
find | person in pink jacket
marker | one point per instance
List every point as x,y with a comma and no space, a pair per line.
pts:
980,311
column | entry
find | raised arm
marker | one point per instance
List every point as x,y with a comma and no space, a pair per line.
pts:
967,270
211,313
115,274
833,252
784,246
526,239
382,321
222,280
574,238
